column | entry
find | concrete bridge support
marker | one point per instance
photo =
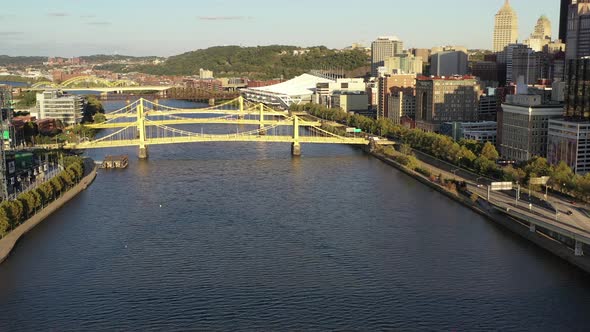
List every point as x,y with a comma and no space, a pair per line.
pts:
295,146
143,151
261,130
296,149
241,107
211,101
579,251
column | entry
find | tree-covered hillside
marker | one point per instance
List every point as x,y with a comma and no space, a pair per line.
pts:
6,60
254,62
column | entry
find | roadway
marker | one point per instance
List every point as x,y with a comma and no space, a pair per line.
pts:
148,122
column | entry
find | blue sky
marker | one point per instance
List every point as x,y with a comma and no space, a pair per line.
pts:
167,27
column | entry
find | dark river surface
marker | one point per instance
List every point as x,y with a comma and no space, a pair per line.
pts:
231,236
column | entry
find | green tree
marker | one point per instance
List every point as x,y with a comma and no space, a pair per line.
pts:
562,174
4,223
514,174
406,149
537,167
99,118
489,151
56,184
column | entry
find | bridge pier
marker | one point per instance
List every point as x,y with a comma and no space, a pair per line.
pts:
579,252
261,130
296,149
143,152
211,101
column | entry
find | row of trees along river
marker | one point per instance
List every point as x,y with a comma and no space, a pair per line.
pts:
15,212
469,154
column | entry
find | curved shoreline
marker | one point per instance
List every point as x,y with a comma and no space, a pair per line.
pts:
8,243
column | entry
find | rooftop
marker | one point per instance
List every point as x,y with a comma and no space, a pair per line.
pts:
301,85
446,78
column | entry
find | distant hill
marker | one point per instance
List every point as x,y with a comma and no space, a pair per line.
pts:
262,62
102,58
6,60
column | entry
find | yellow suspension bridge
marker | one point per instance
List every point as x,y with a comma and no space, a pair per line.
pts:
145,123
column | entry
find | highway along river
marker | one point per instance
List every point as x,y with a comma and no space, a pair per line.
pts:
245,237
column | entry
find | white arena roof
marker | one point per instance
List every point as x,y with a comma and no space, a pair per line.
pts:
300,85
297,90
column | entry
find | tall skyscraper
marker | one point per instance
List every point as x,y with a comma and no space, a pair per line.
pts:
577,103
563,12
541,35
506,27
383,48
578,30
542,29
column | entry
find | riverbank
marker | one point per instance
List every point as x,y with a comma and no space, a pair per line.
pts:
8,243
481,207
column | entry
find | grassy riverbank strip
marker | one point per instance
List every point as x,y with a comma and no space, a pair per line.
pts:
8,242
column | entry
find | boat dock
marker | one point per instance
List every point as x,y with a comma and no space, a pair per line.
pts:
111,162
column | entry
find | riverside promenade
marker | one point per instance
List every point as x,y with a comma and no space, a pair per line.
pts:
8,242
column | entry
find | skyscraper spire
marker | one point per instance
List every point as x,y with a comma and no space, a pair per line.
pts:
506,27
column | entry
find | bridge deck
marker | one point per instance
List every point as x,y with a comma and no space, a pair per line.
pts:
210,138
203,121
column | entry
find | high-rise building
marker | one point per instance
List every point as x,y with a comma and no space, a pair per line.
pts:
569,138
578,30
401,103
563,12
569,142
489,105
405,63
529,64
524,124
485,71
385,84
541,35
542,29
505,58
56,105
506,27
448,63
383,48
577,94
447,99
423,53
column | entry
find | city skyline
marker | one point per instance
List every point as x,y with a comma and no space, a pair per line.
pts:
81,28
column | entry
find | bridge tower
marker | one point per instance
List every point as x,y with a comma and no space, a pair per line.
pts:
262,131
241,105
143,149
295,146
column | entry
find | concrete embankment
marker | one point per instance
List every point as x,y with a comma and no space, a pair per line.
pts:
8,242
516,226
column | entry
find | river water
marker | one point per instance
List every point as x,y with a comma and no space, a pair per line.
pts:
245,237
